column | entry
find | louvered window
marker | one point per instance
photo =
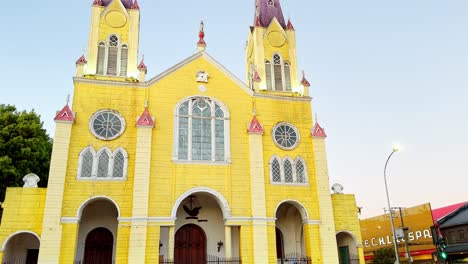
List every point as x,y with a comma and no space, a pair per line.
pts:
112,57
101,58
287,77
123,61
268,75
278,74
202,134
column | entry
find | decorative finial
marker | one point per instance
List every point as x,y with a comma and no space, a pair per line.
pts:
146,103
68,99
316,118
201,45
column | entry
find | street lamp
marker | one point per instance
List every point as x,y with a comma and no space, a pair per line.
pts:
397,261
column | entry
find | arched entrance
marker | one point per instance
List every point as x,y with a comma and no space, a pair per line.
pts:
97,232
290,245
22,247
190,245
98,247
347,248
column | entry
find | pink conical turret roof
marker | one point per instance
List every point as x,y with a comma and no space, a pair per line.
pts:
145,119
81,60
135,5
266,10
65,115
255,127
142,65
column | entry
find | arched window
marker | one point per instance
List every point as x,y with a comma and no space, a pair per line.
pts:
278,74
112,57
103,165
86,162
275,169
288,171
119,168
300,171
202,132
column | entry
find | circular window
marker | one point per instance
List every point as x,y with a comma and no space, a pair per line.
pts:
107,124
285,136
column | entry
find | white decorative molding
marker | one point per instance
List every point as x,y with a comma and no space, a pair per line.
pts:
337,188
202,76
202,88
69,220
5,243
312,222
299,206
97,198
30,180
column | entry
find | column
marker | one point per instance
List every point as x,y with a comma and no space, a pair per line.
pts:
228,242
170,246
153,238
122,243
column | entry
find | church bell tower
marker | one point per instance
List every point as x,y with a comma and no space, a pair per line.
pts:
113,40
271,51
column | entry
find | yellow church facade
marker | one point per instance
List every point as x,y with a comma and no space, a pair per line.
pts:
191,166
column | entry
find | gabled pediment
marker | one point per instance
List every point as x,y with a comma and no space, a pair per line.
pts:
275,35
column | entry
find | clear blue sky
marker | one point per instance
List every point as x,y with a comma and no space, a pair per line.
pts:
381,72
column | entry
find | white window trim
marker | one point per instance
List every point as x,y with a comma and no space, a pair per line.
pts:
294,128
93,117
96,161
227,138
119,55
294,171
283,73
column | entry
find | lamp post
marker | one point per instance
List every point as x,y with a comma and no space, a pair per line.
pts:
397,261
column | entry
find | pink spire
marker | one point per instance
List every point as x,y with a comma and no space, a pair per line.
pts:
256,77
65,115
142,65
81,60
318,131
257,22
255,127
304,81
289,25
145,119
135,5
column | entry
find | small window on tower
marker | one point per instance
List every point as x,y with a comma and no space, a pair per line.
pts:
113,41
270,2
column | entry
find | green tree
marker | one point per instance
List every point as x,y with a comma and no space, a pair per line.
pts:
25,148
384,256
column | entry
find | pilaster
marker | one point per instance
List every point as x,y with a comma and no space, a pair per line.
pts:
153,237
227,242
69,240
96,11
170,246
133,41
257,186
141,182
313,246
327,226
51,236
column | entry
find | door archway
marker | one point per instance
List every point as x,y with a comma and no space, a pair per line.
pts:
190,245
98,246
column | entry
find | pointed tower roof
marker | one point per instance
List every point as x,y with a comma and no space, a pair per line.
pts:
142,65
126,3
66,114
81,60
318,131
145,119
255,127
290,25
256,77
135,5
266,10
304,81
97,3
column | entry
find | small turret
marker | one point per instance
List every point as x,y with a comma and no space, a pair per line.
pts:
80,64
143,70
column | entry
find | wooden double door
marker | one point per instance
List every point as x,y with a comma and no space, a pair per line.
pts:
98,247
190,245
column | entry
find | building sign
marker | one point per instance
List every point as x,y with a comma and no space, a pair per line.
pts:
377,231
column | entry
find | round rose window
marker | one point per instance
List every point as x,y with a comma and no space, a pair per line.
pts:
285,136
107,124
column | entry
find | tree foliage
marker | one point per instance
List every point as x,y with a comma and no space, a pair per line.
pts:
25,147
384,256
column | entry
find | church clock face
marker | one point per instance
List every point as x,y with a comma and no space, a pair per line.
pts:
107,124
285,136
